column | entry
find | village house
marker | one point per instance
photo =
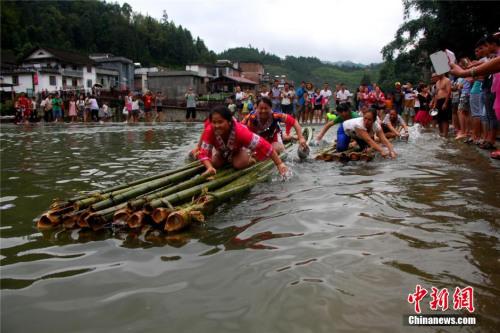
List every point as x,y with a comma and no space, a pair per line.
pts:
49,69
141,77
251,70
123,66
174,84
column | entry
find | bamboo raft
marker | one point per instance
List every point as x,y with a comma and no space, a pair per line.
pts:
169,201
330,154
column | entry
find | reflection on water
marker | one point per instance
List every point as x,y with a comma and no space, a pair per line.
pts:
336,248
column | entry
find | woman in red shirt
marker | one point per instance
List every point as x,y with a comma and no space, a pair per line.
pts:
233,143
266,123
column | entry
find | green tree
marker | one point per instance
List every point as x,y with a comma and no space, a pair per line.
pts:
454,25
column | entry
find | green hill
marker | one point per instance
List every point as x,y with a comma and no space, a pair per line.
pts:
306,68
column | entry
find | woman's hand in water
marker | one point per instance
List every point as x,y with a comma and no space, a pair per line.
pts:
303,143
283,169
393,154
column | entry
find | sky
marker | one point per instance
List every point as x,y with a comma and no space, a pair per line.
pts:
337,30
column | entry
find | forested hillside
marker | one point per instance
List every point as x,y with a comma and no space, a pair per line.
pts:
99,27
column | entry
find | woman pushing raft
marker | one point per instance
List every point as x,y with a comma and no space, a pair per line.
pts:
394,126
233,143
344,112
264,122
362,131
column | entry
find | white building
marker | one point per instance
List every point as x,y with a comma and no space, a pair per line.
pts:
51,69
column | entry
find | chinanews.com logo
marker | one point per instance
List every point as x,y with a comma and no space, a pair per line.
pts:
462,299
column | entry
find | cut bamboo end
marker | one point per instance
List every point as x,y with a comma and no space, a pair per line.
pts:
177,221
95,221
49,217
121,215
44,224
136,220
354,156
82,220
197,216
70,222
160,215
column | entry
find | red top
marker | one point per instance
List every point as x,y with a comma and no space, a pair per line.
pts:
240,136
148,100
373,98
270,127
24,103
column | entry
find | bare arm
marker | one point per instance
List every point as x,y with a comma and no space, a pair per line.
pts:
301,138
210,168
448,92
392,129
490,67
324,130
361,133
279,163
386,142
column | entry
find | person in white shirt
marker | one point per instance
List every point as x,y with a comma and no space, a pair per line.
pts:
393,125
287,98
264,92
343,95
362,131
239,98
326,93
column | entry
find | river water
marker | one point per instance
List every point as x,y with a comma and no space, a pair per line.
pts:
336,248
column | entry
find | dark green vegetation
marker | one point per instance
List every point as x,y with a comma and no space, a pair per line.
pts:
455,25
99,27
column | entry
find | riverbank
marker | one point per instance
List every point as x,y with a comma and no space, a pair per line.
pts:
170,114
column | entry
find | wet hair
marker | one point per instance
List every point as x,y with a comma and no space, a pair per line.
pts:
223,111
343,107
265,100
373,112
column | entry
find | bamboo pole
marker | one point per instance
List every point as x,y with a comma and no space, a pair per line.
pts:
199,179
182,218
195,190
135,182
145,188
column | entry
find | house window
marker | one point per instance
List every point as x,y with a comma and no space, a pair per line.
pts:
89,69
102,81
64,82
89,83
15,80
74,82
52,80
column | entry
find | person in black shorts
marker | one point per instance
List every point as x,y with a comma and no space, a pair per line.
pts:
190,105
